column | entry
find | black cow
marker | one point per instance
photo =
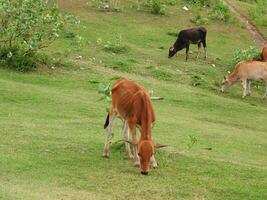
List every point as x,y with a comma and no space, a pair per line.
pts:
187,37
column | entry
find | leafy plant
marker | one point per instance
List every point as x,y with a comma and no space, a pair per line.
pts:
199,2
116,47
108,5
26,27
105,91
200,20
157,6
246,54
220,12
192,141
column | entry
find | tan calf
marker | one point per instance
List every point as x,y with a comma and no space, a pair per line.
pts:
131,102
245,72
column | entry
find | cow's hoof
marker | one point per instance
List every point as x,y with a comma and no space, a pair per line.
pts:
105,156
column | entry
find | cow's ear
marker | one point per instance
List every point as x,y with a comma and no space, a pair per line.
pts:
224,77
157,146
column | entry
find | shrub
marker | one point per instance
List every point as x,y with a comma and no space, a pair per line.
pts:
199,20
246,54
27,26
157,6
220,12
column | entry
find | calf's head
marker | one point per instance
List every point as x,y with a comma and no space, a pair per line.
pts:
172,51
145,152
226,83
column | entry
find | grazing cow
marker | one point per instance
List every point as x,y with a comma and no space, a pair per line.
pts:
247,71
132,103
188,36
264,53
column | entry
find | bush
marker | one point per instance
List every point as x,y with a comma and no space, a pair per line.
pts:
250,53
220,12
27,26
157,6
199,20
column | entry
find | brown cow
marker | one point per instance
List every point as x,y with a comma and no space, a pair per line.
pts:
264,53
132,103
247,71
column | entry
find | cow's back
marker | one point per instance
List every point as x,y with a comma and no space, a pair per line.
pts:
264,53
128,97
254,70
192,34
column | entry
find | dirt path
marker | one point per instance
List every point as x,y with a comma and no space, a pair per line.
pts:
258,37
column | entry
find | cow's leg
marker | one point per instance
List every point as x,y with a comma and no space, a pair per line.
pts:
126,138
265,94
132,128
199,46
153,162
244,83
187,51
205,48
248,87
112,117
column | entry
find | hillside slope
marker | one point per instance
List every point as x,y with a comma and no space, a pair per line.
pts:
51,121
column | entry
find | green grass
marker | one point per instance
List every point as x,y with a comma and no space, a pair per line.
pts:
51,122
250,11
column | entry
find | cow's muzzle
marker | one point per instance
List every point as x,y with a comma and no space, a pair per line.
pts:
144,173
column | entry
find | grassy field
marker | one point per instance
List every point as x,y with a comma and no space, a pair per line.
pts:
51,121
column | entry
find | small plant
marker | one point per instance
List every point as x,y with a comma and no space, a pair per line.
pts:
250,53
220,12
157,6
192,141
105,91
198,2
200,20
108,5
117,47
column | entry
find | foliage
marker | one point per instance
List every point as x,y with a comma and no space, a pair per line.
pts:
26,27
258,12
200,20
108,5
220,12
199,2
192,141
246,54
117,47
156,6
105,91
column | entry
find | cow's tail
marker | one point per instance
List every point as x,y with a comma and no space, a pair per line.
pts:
107,122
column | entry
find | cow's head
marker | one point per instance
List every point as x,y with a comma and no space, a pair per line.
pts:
226,83
145,152
172,51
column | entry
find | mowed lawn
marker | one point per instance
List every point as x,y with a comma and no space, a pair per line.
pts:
51,121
